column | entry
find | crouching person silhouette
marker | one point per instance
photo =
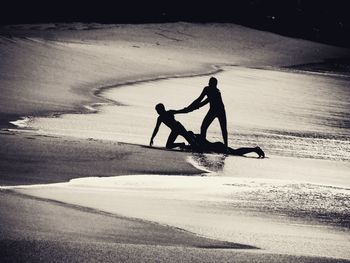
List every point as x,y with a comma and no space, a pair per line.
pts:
167,117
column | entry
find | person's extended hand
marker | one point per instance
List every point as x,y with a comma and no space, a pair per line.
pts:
151,143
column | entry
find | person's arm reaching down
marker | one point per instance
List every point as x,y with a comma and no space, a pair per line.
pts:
155,131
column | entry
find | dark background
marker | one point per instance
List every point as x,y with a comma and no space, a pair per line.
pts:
323,20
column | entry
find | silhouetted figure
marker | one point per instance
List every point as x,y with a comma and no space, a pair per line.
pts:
216,110
196,141
218,147
167,117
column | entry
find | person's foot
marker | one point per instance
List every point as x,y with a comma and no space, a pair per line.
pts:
260,152
182,145
230,150
185,147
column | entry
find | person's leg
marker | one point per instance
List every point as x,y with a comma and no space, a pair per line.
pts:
217,147
223,125
245,150
190,137
171,139
260,152
208,119
241,151
191,140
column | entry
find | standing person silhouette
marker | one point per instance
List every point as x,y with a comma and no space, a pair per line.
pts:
216,110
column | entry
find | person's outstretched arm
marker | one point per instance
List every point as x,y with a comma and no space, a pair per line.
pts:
155,131
202,103
196,104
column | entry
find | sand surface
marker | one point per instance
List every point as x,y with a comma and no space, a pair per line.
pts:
28,158
50,69
54,68
55,225
275,212
38,231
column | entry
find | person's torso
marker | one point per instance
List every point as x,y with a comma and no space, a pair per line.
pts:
215,99
169,120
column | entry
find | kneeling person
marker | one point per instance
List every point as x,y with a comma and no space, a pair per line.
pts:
167,117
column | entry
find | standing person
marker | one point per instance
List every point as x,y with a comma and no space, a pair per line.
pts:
216,110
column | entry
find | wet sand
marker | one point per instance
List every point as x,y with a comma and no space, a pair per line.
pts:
47,231
29,158
52,69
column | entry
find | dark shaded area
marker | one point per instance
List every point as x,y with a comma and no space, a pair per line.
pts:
5,120
340,66
39,159
323,20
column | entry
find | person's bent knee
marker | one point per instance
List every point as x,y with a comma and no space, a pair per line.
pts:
169,146
204,129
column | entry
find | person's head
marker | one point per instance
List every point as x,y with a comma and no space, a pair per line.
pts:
160,108
213,82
